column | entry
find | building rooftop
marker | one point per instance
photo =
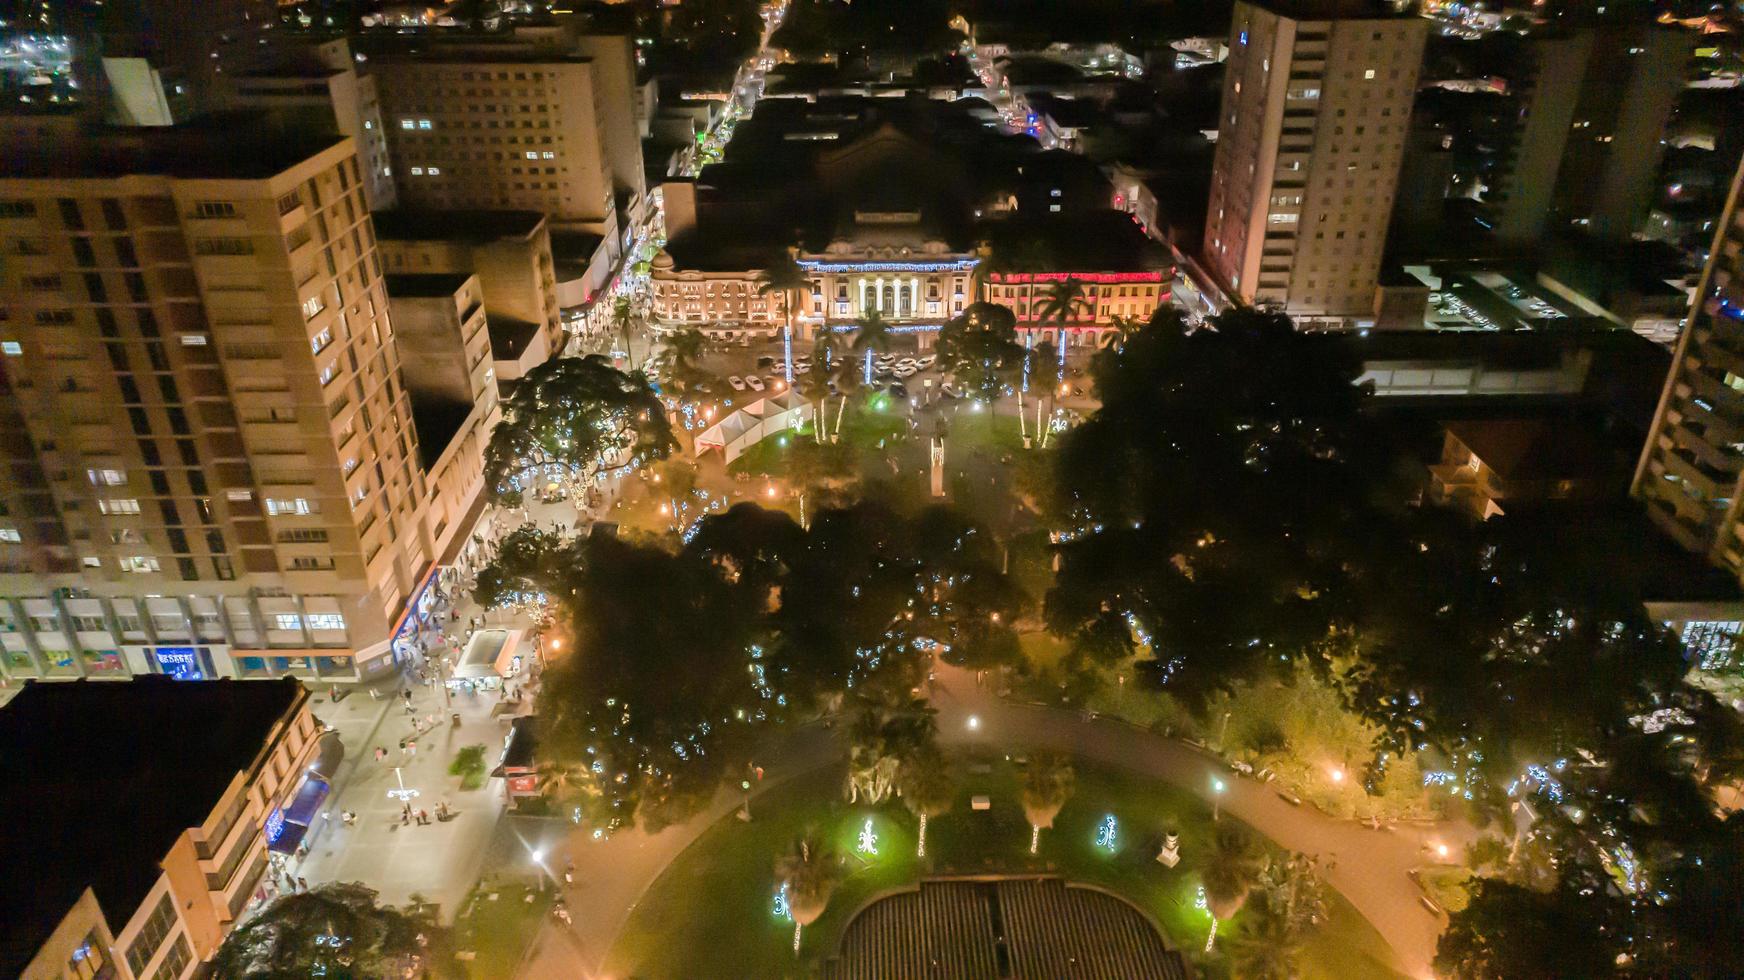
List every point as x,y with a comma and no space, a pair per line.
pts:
99,778
425,285
437,423
222,146
1537,449
510,336
476,226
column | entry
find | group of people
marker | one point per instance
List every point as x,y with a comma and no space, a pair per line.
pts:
421,817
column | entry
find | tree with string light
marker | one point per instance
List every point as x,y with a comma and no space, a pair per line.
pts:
1047,785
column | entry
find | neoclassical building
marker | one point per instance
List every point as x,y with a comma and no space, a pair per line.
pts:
900,231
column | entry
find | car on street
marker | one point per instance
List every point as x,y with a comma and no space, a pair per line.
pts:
926,363
903,372
736,383
898,389
753,382
945,390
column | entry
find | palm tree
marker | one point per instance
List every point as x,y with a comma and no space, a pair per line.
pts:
993,262
1230,872
787,278
1063,300
884,738
624,319
677,480
1047,784
873,335
1125,328
1049,374
1267,947
814,385
678,361
925,785
810,871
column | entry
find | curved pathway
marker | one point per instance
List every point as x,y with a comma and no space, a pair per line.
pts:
1367,867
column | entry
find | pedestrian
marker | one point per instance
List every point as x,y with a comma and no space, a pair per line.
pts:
380,753
302,883
411,748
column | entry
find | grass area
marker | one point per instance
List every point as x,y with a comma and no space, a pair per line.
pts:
865,439
497,931
712,912
469,765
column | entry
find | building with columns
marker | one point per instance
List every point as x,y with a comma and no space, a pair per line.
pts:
884,222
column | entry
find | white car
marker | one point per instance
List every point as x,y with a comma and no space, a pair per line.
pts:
908,362
755,382
737,382
904,371
926,362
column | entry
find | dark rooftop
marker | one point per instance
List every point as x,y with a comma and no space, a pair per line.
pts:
99,778
436,422
510,336
222,146
1536,449
477,226
422,285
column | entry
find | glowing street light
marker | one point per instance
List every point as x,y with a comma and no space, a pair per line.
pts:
1217,788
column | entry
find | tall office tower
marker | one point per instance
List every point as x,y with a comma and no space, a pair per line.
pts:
1593,109
1691,473
211,463
158,62
469,129
316,85
1316,111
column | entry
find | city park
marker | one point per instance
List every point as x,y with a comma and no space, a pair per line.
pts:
1190,645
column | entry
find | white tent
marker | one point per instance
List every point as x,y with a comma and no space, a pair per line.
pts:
754,423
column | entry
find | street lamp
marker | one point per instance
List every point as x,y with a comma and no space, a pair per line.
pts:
1217,788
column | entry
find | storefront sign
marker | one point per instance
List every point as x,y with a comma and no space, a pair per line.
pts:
182,663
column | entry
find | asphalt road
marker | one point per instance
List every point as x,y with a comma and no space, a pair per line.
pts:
1368,867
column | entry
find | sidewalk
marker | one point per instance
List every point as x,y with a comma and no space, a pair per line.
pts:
439,861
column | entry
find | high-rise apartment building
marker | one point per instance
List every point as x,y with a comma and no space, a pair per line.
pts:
1593,109
212,468
1692,470
316,85
1316,112
523,131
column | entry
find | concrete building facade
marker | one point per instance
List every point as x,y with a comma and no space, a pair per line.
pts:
1315,115
1594,105
509,251
213,468
1691,473
318,86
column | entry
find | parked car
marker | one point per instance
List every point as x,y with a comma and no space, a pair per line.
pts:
903,371
925,363
898,389
737,383
753,382
765,362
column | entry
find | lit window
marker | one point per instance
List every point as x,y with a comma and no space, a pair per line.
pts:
532,154
326,621
296,505
328,373
287,621
548,155
11,348
10,534
319,342
408,124
434,171
417,171
423,124
369,124
106,478
139,563
119,505
193,340
312,306
1370,74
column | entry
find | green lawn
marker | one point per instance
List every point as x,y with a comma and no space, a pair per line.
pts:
712,912
497,932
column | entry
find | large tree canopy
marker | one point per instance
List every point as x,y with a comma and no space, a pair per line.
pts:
569,419
335,930
679,659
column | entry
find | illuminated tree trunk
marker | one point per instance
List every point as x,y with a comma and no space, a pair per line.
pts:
1210,938
921,851
1035,837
